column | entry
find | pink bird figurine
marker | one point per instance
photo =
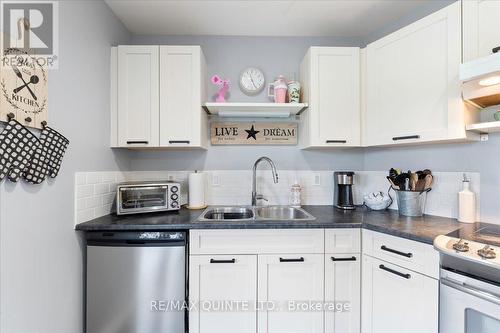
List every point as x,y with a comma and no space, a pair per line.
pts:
224,87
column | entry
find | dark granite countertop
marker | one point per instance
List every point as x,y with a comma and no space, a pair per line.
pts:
422,229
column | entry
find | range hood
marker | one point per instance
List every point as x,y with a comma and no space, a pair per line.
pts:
481,80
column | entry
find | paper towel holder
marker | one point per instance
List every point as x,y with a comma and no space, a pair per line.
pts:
196,191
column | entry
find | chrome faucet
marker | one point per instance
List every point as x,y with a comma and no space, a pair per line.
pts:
255,197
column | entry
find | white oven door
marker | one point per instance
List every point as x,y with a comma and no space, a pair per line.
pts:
468,305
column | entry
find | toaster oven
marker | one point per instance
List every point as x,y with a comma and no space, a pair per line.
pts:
144,197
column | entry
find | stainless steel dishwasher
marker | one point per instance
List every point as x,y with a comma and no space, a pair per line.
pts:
136,282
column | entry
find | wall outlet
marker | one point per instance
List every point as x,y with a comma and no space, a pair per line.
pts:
215,180
316,179
171,177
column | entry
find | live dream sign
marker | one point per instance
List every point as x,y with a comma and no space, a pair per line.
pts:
253,133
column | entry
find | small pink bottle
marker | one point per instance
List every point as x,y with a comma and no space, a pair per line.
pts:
278,90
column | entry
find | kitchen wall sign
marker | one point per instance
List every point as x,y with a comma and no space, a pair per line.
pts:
253,133
23,89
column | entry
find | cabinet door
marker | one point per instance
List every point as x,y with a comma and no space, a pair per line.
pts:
333,87
413,89
138,105
481,24
180,97
397,300
287,281
343,287
216,279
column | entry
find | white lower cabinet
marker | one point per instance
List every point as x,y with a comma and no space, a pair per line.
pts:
397,300
329,287
222,280
291,282
343,288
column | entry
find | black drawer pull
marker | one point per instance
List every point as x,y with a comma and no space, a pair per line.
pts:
134,242
407,255
301,259
496,49
215,261
336,141
344,259
137,142
408,137
179,141
406,276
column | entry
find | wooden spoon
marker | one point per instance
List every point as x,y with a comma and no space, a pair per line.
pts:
429,179
413,181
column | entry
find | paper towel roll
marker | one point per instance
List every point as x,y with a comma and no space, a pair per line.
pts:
196,190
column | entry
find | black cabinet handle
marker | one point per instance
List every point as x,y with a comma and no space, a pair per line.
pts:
406,276
407,255
134,242
215,261
496,49
344,259
336,141
408,137
301,259
137,142
179,141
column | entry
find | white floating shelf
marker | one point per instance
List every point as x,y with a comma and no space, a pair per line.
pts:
255,110
488,127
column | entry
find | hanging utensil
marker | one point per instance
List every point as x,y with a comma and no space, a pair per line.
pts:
394,186
429,179
413,181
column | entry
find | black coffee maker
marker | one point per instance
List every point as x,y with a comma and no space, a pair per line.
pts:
342,197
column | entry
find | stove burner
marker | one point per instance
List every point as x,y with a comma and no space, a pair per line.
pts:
461,246
487,253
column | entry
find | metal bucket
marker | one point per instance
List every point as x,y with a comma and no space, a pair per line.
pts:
411,203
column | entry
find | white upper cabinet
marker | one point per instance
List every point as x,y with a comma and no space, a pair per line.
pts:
137,93
182,119
481,21
156,97
331,84
413,92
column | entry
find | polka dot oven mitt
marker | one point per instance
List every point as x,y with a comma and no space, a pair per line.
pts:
17,145
47,159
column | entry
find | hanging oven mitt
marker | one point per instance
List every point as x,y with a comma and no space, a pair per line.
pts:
17,145
47,159
57,145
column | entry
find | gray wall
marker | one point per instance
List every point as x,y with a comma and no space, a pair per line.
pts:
479,157
482,157
415,15
228,56
41,274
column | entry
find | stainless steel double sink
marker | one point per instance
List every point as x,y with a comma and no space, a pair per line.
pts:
248,214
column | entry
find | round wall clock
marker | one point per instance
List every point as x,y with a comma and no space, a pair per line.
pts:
252,81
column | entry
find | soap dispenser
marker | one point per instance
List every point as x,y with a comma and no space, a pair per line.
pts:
466,203
295,200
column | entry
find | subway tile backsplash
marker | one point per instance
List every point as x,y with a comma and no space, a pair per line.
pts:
95,192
